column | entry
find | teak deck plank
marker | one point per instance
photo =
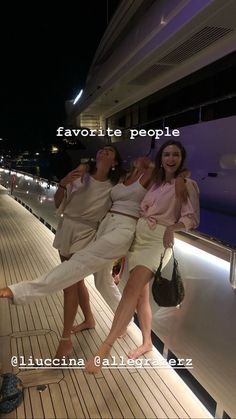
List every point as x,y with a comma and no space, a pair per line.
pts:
33,331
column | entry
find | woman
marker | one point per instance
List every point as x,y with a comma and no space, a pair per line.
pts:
103,279
83,199
154,233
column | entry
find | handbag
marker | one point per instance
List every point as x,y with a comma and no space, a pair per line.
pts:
168,293
11,392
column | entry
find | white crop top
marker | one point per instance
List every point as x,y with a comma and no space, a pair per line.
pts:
126,199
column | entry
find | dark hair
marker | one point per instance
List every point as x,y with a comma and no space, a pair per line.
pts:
115,172
159,173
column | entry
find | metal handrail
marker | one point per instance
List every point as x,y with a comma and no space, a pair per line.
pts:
12,171
224,246
232,272
209,239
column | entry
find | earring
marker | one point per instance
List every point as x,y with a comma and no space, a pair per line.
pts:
113,168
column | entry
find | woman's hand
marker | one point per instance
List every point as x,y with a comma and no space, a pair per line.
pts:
73,175
147,177
181,191
168,238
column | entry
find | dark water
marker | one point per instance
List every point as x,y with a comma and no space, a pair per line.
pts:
51,167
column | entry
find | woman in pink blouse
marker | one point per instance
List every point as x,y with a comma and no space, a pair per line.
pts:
161,216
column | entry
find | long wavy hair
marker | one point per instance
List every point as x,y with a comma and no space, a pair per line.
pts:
115,172
159,172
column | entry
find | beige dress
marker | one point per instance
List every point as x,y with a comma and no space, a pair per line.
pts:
84,206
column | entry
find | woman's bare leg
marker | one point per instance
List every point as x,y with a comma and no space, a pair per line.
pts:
145,322
139,277
71,301
84,302
72,296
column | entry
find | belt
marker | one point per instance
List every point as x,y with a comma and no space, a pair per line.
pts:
125,215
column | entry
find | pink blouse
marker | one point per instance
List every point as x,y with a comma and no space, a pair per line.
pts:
159,206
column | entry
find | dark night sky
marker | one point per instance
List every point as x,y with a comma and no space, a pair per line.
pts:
45,57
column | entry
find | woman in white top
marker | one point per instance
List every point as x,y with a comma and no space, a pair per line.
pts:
127,195
83,199
154,233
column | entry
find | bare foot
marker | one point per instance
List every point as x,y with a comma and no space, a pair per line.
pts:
83,326
6,293
64,349
141,350
94,365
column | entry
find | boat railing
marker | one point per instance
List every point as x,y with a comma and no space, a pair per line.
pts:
214,246
37,195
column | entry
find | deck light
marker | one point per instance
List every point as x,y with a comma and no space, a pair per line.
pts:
202,254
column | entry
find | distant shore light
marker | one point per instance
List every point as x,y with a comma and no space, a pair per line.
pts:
78,96
54,149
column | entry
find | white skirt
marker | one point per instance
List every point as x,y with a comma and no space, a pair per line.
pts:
148,246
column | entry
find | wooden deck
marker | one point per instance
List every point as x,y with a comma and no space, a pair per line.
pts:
26,251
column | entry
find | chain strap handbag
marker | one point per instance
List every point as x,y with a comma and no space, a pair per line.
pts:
168,293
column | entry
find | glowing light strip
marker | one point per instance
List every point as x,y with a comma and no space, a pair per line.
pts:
78,96
194,251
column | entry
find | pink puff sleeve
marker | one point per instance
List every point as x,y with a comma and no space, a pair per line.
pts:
190,211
